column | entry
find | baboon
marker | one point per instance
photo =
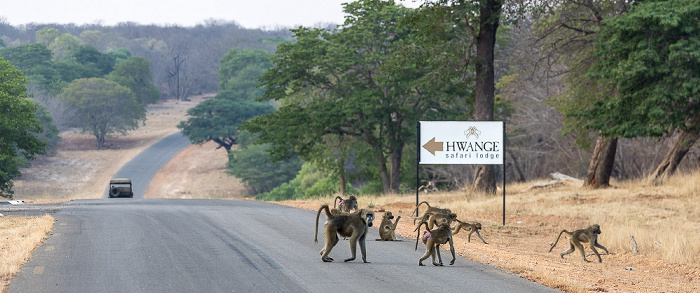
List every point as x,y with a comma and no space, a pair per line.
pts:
436,219
387,230
432,240
346,205
472,226
429,187
348,225
588,235
429,210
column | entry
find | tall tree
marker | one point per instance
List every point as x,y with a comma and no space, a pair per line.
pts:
353,82
103,107
567,35
218,119
651,55
135,73
241,70
19,126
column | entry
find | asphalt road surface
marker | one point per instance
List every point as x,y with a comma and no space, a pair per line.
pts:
144,166
182,245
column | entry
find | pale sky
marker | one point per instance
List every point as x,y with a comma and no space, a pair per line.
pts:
247,13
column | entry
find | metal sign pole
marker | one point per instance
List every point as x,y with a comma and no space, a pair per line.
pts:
417,162
504,172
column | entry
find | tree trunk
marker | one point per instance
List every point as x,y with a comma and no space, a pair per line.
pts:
673,158
489,15
520,176
341,174
395,161
383,173
602,162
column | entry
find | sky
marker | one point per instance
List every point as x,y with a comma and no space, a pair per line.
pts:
247,13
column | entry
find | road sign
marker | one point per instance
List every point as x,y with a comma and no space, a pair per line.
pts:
461,142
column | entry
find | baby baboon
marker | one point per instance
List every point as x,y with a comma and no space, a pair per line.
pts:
346,205
433,239
588,235
472,226
429,210
387,230
348,225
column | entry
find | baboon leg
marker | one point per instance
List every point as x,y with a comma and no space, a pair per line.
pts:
602,247
353,247
482,238
331,241
437,251
428,252
570,250
596,252
363,248
583,253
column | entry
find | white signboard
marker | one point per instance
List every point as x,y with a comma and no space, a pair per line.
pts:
461,142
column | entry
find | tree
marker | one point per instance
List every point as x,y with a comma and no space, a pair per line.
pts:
64,46
135,73
19,126
480,19
252,164
103,107
650,54
352,82
27,56
240,71
90,56
568,35
218,119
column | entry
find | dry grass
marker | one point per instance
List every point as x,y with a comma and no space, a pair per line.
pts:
19,236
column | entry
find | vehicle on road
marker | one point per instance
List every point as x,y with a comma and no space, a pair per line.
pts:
120,187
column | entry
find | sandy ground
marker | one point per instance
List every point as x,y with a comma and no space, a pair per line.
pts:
81,171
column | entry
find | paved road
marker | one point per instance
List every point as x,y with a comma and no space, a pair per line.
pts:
143,167
178,245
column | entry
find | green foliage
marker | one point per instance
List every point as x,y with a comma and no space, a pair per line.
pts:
118,55
90,56
135,73
253,165
651,56
27,56
240,71
50,135
64,46
219,118
103,107
365,83
18,126
308,183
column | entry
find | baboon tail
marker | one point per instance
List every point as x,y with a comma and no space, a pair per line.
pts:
557,241
336,200
317,215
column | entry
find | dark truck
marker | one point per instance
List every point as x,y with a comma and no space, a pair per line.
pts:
120,187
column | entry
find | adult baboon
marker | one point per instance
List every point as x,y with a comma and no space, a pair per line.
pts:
434,219
471,226
429,210
346,205
348,225
432,240
588,235
387,230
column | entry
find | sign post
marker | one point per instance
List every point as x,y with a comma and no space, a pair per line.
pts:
462,142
